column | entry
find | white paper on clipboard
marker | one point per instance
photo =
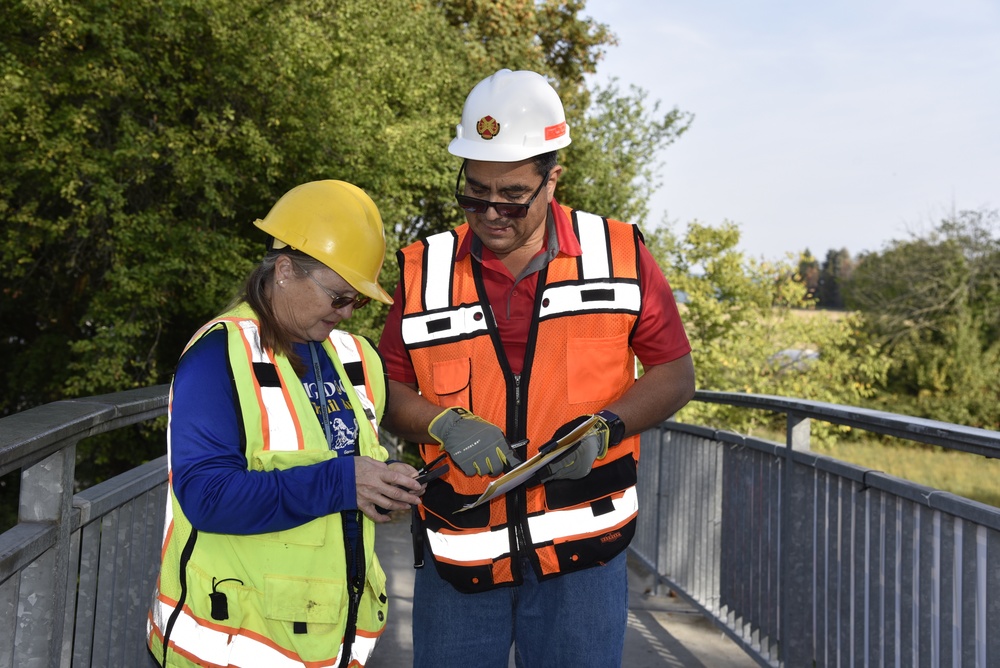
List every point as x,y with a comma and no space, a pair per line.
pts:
522,473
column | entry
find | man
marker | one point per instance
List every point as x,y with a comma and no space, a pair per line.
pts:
522,324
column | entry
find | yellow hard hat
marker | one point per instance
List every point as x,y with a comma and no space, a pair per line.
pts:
336,223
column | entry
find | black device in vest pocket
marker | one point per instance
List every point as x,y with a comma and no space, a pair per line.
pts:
220,604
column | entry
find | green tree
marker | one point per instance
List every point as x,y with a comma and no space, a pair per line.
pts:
835,272
932,307
752,330
139,142
809,272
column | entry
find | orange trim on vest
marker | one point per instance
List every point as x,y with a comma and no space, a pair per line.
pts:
368,386
300,438
264,422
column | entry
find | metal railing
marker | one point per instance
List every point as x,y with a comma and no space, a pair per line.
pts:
805,560
77,571
801,559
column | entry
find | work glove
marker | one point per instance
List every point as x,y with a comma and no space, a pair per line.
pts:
577,463
476,446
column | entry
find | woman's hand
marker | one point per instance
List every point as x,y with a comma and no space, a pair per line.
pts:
390,487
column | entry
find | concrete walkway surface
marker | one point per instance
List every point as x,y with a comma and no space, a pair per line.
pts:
663,632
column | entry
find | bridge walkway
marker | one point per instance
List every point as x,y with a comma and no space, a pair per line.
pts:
663,631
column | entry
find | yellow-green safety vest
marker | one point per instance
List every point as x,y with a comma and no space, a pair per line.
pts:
286,594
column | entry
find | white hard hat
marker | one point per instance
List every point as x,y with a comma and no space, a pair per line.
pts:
510,116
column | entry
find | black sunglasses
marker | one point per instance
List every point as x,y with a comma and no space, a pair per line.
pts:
503,209
338,301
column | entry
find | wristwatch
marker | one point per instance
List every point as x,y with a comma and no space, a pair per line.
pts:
616,428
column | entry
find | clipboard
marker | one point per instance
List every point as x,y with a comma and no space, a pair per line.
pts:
526,470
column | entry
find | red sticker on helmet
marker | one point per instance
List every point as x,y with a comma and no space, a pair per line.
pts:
553,131
488,128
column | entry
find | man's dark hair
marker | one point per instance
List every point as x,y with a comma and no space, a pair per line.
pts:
545,162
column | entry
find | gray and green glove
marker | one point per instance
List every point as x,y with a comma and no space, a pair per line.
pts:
476,446
578,461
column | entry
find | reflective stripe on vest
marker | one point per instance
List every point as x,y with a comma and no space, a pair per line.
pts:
469,546
279,413
594,295
441,321
280,418
558,525
191,639
553,526
349,351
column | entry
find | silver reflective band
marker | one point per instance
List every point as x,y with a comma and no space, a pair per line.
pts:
456,323
594,243
439,260
579,522
591,296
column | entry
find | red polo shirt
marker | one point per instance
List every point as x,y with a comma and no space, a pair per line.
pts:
659,335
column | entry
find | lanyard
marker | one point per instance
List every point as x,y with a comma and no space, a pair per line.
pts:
324,407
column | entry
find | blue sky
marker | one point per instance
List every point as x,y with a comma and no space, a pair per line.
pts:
826,125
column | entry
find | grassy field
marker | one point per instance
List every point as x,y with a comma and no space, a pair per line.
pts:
960,473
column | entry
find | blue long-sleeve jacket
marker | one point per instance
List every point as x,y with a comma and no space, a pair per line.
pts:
208,463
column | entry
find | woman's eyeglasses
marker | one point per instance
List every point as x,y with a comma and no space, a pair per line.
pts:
338,301
503,209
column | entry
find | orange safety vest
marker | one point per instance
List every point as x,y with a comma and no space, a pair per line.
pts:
577,361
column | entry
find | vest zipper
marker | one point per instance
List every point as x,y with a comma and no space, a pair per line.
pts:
518,499
516,431
185,557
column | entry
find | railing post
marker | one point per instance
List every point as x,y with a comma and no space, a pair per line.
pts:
797,432
46,495
795,552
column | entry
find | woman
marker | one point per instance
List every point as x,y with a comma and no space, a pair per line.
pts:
277,477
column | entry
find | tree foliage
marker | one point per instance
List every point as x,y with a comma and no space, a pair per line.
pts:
612,165
836,271
933,308
753,329
140,141
808,272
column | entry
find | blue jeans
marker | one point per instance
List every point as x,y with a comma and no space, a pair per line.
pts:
576,620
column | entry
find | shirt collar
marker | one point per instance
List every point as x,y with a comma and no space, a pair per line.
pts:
563,241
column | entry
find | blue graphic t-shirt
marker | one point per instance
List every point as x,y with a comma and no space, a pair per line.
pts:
335,413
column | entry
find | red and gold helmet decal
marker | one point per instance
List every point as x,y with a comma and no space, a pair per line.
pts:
488,127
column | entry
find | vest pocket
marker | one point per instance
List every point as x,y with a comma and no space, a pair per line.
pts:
595,368
374,606
312,601
605,481
279,460
450,382
311,534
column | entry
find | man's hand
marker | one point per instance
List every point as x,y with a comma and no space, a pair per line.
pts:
577,463
476,446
